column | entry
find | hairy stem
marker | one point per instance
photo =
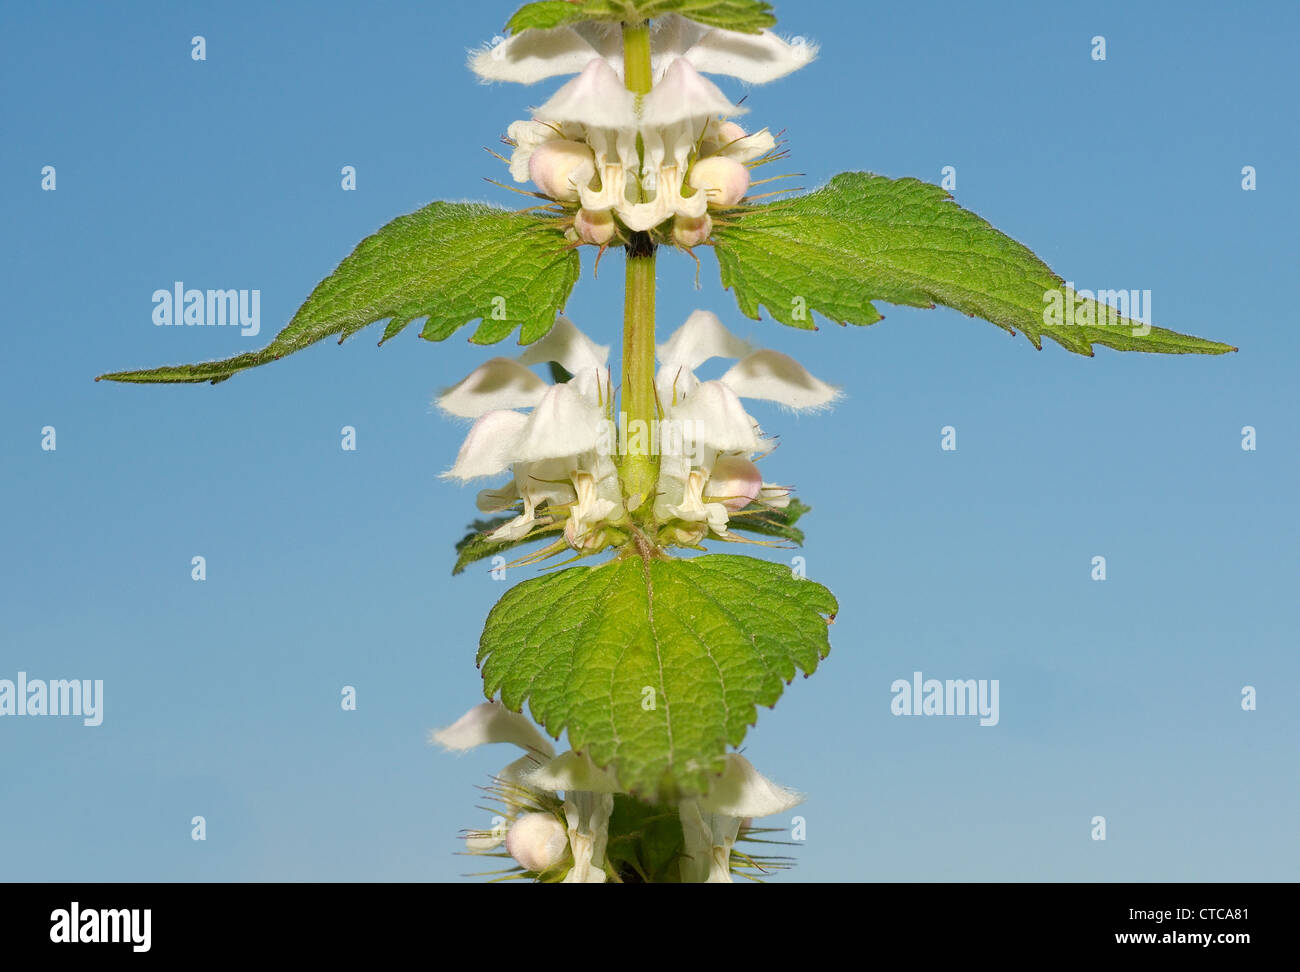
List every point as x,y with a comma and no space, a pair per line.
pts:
636,58
639,466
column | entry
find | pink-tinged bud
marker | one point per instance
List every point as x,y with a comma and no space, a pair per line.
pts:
559,167
729,132
724,181
537,841
735,483
691,231
596,228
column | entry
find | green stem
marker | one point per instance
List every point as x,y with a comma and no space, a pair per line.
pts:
640,467
640,470
636,58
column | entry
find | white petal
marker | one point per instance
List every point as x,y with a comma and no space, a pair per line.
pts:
482,843
702,337
546,483
640,217
698,845
684,94
534,55
707,845
501,383
712,416
725,831
674,472
779,378
573,772
607,38
777,497
566,346
742,792
588,817
691,508
595,98
529,135
491,446
564,423
745,148
735,482
492,722
672,35
515,771
716,517
753,58
496,500
677,443
674,383
590,511
516,529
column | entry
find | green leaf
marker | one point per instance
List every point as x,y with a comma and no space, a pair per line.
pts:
450,262
770,522
864,237
747,16
703,641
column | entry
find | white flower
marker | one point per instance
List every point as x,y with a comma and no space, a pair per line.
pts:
559,453
710,823
712,474
535,55
666,155
740,793
588,791
562,452
645,186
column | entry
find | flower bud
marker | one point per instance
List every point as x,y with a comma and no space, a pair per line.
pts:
683,535
537,841
596,228
735,483
690,231
559,167
729,132
725,181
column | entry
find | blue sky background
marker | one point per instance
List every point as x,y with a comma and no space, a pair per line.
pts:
328,568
